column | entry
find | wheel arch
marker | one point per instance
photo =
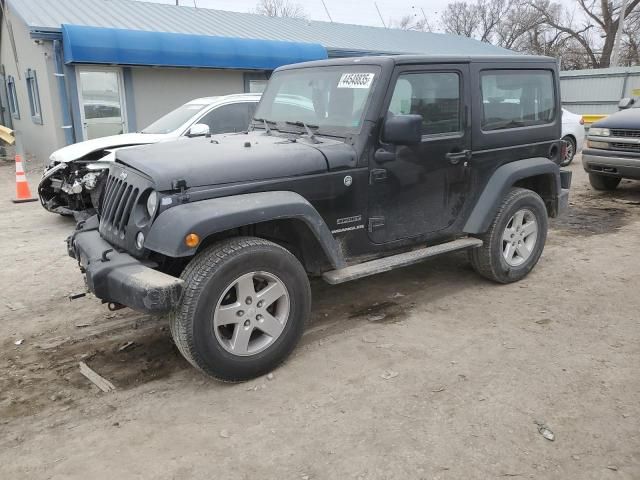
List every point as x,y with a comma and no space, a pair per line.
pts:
538,174
284,217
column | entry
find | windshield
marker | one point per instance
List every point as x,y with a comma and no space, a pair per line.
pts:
175,119
333,99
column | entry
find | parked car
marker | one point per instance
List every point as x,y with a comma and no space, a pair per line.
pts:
613,147
572,134
397,159
72,180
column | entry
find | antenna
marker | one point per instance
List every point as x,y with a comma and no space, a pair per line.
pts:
380,15
326,10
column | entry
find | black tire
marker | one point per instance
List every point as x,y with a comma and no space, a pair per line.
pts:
603,182
207,277
488,260
571,150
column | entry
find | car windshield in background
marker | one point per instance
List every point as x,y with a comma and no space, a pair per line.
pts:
333,99
174,119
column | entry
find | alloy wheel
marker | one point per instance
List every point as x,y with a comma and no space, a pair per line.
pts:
251,314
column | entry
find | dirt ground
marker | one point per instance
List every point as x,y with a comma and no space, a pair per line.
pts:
427,372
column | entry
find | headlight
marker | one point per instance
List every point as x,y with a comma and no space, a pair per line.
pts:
592,144
599,132
152,203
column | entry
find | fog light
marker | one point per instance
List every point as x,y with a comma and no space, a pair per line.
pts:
140,240
192,240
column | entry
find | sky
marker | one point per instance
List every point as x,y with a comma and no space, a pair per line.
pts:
362,12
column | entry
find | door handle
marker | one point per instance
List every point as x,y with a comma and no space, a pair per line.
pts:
455,157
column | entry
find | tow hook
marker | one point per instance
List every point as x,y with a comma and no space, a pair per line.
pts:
112,306
105,258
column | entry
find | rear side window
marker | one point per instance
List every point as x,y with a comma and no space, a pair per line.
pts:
517,98
434,95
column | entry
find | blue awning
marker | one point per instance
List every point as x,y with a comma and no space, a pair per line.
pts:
138,47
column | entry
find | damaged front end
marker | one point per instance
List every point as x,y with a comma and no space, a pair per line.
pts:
73,187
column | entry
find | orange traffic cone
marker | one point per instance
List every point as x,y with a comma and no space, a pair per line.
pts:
23,192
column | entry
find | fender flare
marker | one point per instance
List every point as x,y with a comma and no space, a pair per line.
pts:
499,184
215,215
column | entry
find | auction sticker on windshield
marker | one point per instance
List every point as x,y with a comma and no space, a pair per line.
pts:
356,80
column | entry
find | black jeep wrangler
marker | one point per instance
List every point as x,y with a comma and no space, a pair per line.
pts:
351,167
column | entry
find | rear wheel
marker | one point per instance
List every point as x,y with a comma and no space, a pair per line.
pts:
571,150
603,182
514,242
244,308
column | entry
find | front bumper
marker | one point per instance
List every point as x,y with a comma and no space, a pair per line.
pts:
611,163
117,277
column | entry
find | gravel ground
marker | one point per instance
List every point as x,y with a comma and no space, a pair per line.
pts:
427,372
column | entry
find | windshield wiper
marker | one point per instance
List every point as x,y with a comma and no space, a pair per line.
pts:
307,127
266,124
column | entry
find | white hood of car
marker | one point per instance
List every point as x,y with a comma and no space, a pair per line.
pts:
79,150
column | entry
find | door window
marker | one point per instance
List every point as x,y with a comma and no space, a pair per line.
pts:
101,103
227,118
517,98
434,95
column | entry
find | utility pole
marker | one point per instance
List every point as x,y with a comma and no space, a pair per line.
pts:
615,56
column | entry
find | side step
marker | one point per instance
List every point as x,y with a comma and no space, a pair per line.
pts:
385,264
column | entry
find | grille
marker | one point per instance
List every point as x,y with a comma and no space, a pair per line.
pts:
631,147
118,202
626,133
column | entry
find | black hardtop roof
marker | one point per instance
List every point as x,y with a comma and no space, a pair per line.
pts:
424,59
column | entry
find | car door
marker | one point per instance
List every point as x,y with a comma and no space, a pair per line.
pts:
228,118
421,189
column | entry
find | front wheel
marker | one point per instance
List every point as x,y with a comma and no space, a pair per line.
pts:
244,308
514,242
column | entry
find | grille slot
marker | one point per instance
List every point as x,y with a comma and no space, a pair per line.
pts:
631,147
118,202
625,133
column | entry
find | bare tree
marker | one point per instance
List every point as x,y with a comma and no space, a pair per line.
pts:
631,43
500,22
460,18
596,33
411,22
280,8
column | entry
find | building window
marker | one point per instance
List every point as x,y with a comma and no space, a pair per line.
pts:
13,98
255,82
34,97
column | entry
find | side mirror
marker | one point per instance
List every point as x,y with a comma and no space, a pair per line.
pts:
198,130
626,103
403,129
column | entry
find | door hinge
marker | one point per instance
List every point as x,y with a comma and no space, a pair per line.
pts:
377,175
375,223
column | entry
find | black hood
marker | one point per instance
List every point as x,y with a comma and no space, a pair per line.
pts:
225,159
629,118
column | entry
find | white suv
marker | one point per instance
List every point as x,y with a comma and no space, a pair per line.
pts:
70,181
